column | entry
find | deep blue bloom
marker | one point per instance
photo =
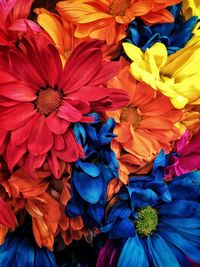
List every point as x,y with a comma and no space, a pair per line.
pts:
19,250
157,224
91,176
173,35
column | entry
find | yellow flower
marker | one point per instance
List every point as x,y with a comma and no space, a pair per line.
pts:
191,8
176,76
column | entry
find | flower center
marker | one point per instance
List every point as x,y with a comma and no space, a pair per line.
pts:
147,220
48,101
130,114
119,7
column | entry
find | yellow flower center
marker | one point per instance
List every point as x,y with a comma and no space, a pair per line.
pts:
130,114
48,101
119,7
147,221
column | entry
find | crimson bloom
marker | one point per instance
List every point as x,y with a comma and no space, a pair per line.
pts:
40,100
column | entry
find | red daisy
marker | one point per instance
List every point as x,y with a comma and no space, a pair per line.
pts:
40,101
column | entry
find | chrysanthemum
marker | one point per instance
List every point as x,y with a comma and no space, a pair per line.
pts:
176,76
173,35
191,8
40,100
20,249
155,224
13,20
145,125
185,158
107,20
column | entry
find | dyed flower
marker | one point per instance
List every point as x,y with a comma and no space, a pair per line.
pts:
108,255
13,20
107,20
191,8
38,110
156,224
90,177
20,249
173,35
186,157
191,119
174,76
144,126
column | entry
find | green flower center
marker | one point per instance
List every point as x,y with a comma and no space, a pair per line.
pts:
147,221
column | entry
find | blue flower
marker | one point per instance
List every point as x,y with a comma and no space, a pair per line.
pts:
174,35
91,176
19,250
157,224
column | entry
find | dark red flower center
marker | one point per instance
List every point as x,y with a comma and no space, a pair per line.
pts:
48,101
130,114
119,7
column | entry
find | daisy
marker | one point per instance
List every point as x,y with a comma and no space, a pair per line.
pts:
108,19
144,126
40,100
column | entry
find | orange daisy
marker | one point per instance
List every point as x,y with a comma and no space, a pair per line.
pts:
144,126
108,19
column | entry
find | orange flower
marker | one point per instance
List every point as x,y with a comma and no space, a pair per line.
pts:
144,126
108,19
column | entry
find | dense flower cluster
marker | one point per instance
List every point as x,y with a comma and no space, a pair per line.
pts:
99,133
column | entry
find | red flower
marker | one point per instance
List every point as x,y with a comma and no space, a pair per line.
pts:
39,101
7,217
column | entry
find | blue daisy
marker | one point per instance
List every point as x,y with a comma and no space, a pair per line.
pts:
174,35
157,224
91,176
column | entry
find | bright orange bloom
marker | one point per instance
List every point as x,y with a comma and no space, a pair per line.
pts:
144,126
108,19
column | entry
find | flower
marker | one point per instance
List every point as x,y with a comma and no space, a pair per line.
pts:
173,75
13,20
185,158
20,250
156,224
107,20
191,8
90,177
144,126
173,35
38,111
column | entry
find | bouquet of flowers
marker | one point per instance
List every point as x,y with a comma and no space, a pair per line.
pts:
99,133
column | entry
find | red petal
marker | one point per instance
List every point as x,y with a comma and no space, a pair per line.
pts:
69,112
91,93
14,154
18,90
81,67
56,124
57,167
7,217
59,143
16,116
33,163
41,138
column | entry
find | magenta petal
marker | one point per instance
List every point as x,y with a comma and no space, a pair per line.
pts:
14,154
16,116
56,125
41,138
19,91
69,112
21,26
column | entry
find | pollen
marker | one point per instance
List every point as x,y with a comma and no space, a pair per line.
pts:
130,114
119,7
48,101
147,221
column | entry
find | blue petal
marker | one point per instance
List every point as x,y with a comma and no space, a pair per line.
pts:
161,253
133,254
90,189
181,243
89,168
45,257
122,229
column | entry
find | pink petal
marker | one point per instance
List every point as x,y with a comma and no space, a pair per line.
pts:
16,116
21,26
56,124
41,138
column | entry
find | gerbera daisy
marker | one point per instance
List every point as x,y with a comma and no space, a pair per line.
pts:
145,125
40,100
13,19
191,8
176,76
108,19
